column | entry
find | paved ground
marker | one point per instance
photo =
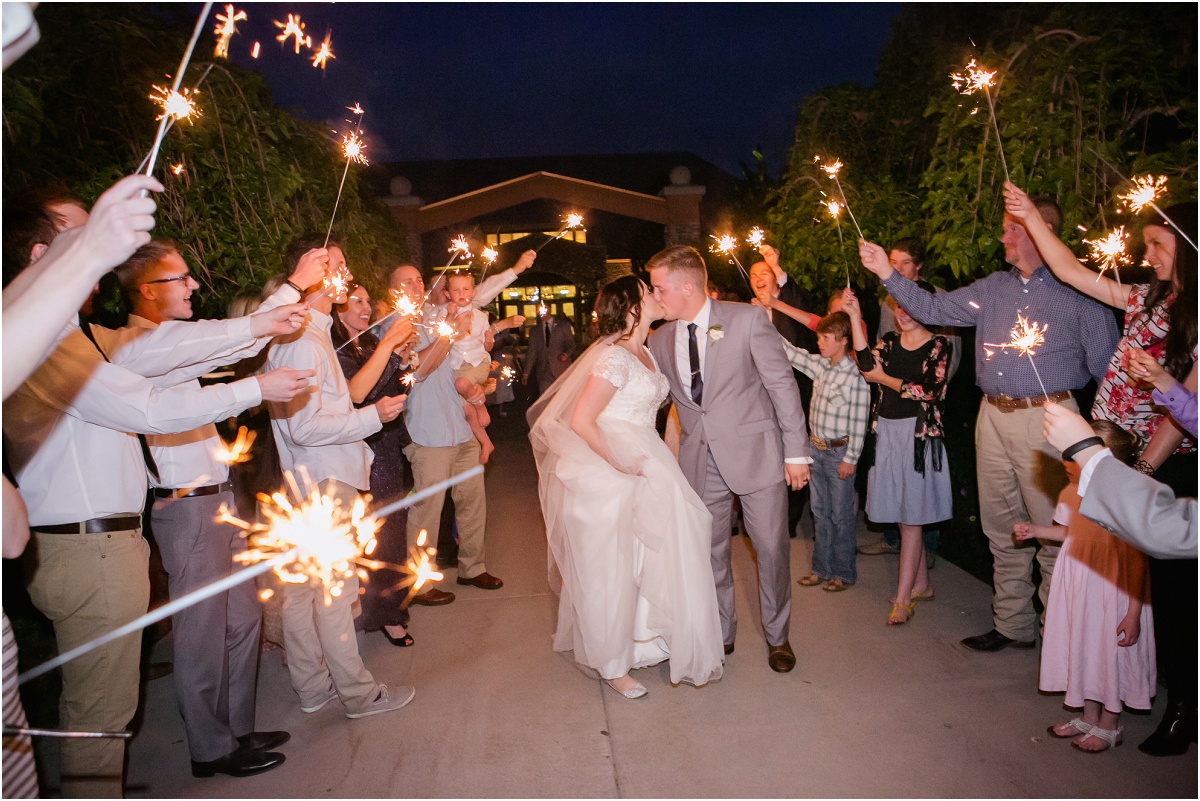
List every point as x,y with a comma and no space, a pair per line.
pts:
869,710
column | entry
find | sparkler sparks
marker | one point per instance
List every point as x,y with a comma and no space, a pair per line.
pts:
508,373
489,255
352,148
293,27
460,247
255,50
167,120
175,105
329,540
1025,338
1147,189
239,451
338,283
832,169
444,329
178,169
404,306
971,80
571,221
756,237
409,380
1109,252
227,29
324,53
832,207
724,245
420,564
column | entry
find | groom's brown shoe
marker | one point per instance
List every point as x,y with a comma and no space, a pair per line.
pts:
781,658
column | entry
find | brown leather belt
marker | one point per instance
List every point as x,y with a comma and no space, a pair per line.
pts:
97,525
1007,404
826,444
211,489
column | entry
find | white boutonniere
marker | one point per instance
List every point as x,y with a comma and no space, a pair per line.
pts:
715,333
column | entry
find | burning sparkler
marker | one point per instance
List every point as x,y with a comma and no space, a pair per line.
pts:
293,27
239,451
421,567
1109,253
168,119
352,150
835,211
970,81
461,248
489,255
177,169
508,373
571,221
324,53
175,105
226,29
255,50
409,380
1026,337
832,169
1147,189
726,245
756,237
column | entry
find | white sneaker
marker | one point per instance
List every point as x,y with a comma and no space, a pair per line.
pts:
386,701
330,695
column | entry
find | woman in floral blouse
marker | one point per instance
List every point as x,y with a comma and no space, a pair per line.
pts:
909,483
1160,318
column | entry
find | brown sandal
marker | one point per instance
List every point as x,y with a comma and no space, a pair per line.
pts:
811,580
837,585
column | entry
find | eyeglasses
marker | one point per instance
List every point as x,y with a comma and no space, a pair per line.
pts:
183,277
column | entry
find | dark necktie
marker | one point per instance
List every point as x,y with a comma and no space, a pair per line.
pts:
694,363
147,456
546,332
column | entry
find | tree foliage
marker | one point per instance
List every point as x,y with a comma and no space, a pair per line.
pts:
77,112
1083,93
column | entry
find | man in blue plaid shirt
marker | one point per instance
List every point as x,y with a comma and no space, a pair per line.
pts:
1020,475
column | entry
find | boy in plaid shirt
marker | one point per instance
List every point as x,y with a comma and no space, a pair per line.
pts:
841,406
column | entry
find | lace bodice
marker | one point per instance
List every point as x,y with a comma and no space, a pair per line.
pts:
640,392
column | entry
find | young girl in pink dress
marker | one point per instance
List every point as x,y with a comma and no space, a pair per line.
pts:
1099,640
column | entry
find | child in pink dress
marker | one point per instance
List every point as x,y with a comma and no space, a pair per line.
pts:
1099,640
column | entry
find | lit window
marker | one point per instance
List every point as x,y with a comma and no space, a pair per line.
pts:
505,238
493,240
569,309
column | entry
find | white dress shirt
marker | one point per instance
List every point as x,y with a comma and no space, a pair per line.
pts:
320,430
683,358
66,427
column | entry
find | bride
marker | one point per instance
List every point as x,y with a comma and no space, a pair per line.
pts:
628,538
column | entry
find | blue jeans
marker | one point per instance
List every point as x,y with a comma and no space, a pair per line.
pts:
931,534
832,502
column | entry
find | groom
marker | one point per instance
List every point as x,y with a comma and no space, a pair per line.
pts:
743,431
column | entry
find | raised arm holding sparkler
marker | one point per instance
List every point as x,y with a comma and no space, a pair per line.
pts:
1058,256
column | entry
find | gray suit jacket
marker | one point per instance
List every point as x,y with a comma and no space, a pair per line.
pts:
751,416
1141,511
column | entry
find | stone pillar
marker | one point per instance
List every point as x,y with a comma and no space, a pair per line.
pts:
683,209
405,208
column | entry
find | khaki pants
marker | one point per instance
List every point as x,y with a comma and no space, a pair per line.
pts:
431,465
88,585
1020,477
320,640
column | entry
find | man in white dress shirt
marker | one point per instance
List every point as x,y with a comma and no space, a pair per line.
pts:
216,641
83,479
320,437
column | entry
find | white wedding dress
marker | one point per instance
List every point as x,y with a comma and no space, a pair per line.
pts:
629,556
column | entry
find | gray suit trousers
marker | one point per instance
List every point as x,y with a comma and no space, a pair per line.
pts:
765,513
216,641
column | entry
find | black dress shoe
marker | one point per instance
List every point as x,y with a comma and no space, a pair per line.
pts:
242,762
995,641
781,658
1177,729
263,740
728,649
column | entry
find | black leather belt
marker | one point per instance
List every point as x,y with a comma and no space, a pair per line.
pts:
211,489
97,525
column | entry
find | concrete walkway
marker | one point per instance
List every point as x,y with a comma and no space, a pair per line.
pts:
870,710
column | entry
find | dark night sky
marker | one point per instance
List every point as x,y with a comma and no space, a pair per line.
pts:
445,80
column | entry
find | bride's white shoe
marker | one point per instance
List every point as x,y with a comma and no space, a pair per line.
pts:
638,690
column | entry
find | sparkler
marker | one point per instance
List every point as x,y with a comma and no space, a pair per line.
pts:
1109,253
402,305
835,211
324,53
163,120
239,451
293,27
352,147
508,373
571,221
459,247
421,566
409,380
176,105
178,169
1147,189
832,170
226,30
1026,337
726,245
971,80
255,50
756,237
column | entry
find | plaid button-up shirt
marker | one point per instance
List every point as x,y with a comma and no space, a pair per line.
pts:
1080,339
841,401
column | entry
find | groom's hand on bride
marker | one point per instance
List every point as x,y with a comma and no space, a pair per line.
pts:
796,475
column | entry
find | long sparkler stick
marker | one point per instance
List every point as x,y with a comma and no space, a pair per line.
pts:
1146,190
187,56
996,125
846,206
1036,374
573,220
17,731
164,611
458,247
726,245
174,119
232,580
357,109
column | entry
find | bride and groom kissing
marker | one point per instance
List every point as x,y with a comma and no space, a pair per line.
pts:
639,542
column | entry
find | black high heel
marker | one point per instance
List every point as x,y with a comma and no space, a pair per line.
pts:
399,642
